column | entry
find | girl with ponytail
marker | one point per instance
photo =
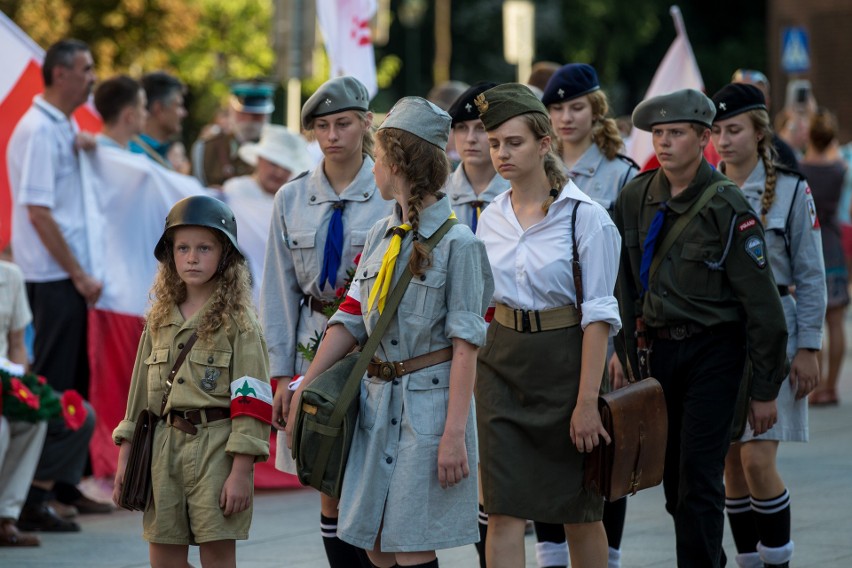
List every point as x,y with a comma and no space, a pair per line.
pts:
415,442
757,500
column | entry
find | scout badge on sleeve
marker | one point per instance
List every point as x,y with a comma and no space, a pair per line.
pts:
756,250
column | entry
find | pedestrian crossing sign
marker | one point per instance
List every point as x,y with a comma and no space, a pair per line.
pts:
795,55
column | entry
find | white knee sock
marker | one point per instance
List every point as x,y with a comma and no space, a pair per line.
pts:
551,554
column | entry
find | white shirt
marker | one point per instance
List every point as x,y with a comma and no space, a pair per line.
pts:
532,268
44,170
253,209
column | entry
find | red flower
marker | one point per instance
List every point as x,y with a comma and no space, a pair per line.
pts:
41,380
357,259
24,394
73,410
340,292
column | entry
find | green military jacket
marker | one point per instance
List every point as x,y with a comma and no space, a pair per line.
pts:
716,272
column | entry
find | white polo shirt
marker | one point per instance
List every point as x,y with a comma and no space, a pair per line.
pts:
44,170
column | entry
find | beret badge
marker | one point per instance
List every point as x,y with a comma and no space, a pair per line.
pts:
481,103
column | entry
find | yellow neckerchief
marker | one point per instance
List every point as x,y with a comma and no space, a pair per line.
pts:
383,280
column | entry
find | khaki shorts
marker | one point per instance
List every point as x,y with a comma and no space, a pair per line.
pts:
188,474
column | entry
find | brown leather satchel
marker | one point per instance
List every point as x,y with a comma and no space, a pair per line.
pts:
136,490
636,420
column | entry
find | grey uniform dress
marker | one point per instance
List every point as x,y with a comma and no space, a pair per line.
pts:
599,178
391,480
467,205
294,254
794,249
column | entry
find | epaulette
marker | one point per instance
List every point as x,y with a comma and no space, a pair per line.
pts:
645,173
630,161
735,198
789,171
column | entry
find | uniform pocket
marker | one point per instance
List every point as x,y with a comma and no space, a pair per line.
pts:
158,367
210,370
302,245
365,280
358,239
694,277
425,296
776,242
428,394
372,393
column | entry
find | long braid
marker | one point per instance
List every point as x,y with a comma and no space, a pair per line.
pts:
766,151
540,126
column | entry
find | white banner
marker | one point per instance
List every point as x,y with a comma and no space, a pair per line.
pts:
345,26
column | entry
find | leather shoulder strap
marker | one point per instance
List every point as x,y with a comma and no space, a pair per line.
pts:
681,224
175,368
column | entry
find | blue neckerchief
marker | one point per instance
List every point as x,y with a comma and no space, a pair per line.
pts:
651,244
333,247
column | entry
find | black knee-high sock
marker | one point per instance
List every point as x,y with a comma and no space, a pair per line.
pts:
772,517
483,532
548,532
432,564
340,554
613,521
743,523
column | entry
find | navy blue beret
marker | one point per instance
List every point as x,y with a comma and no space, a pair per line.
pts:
464,107
569,82
737,98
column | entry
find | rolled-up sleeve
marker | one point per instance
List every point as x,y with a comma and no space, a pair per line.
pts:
599,247
249,435
137,398
469,288
38,175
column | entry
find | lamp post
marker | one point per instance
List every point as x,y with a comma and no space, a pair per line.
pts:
519,35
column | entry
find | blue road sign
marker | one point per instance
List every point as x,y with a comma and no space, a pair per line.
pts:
795,54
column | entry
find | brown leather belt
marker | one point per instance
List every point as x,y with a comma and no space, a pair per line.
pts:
316,304
187,420
533,321
388,370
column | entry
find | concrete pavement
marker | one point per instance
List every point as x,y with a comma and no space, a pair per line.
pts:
285,530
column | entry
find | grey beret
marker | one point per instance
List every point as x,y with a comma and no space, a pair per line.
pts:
335,95
686,105
421,118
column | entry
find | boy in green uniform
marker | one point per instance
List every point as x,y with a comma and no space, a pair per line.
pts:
696,291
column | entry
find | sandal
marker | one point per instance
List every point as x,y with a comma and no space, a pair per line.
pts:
11,536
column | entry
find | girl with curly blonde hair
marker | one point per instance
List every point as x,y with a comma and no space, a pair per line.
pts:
202,366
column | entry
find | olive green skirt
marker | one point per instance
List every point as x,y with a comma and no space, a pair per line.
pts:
526,390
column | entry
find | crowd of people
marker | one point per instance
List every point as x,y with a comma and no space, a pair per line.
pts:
553,256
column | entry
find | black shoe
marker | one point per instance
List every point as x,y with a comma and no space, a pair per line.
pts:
44,518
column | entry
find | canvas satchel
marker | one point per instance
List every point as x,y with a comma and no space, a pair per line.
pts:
136,490
328,412
635,419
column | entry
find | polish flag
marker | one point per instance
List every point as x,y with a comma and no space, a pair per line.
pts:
678,70
345,26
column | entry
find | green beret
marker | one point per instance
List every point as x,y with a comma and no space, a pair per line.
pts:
333,96
499,104
686,105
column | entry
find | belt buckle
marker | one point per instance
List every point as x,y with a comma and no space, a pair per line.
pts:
387,370
679,332
524,320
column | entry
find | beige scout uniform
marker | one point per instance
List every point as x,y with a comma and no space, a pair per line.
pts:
189,471
466,203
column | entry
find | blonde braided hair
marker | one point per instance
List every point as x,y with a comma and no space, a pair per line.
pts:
540,126
766,151
425,167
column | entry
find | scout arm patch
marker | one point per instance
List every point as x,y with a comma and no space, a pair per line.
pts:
251,397
756,250
812,212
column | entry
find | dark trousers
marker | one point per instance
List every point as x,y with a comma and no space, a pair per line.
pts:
60,319
700,376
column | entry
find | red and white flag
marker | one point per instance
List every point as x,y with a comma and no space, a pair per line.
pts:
345,26
678,70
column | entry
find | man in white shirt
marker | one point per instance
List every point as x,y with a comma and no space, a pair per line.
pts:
49,244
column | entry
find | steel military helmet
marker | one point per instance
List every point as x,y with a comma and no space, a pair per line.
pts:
201,211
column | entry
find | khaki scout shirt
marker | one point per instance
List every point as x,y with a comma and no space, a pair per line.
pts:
684,288
230,354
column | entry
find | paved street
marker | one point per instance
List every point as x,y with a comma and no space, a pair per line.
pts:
285,530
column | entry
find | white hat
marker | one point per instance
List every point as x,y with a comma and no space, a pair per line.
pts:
279,146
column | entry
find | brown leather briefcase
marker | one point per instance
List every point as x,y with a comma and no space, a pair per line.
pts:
636,420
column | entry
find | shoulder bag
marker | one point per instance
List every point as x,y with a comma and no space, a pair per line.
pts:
136,489
635,419
328,411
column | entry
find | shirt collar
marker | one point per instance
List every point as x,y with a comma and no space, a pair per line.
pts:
684,200
52,112
431,218
756,180
361,188
589,162
460,190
